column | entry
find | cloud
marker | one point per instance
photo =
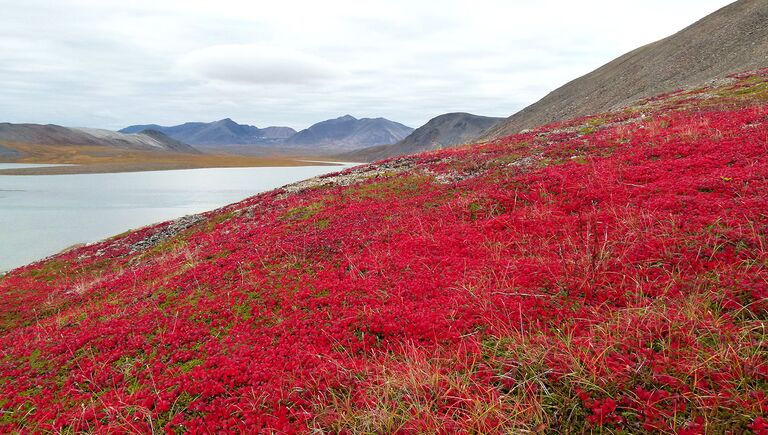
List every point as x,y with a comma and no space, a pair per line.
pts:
108,63
259,65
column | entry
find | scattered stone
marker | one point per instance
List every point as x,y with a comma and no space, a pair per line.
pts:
165,233
525,162
349,177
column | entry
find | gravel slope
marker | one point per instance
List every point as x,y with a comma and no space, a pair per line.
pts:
734,38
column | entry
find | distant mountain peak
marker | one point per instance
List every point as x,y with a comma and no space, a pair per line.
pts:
347,133
442,131
228,122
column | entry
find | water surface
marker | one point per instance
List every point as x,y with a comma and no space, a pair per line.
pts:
28,165
41,215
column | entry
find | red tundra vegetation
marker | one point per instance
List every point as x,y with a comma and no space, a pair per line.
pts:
608,273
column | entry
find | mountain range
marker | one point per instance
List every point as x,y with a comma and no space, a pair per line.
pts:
56,135
222,132
734,38
331,136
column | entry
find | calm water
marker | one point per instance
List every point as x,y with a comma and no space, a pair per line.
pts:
42,214
25,165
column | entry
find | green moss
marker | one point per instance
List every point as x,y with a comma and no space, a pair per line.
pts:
592,125
122,235
171,245
758,88
18,415
243,311
398,186
36,362
302,213
322,224
223,253
474,210
47,271
134,386
9,320
505,160
125,364
214,221
751,88
187,366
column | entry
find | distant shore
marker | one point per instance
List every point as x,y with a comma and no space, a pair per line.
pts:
160,162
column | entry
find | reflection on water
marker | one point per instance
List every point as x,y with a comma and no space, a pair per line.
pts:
43,214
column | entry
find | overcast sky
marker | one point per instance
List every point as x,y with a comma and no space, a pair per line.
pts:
105,63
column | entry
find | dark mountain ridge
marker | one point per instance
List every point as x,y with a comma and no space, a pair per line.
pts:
347,133
444,131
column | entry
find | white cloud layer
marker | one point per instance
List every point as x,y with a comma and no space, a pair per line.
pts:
105,63
259,65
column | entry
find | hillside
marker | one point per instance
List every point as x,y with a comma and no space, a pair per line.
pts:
735,38
66,136
607,274
444,131
222,132
348,133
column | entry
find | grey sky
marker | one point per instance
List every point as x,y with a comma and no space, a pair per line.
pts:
105,63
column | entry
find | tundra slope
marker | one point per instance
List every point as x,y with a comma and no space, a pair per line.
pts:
732,39
607,273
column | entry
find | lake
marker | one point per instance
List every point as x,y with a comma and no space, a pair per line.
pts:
41,215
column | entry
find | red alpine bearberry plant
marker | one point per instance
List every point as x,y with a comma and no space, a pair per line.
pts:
607,273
